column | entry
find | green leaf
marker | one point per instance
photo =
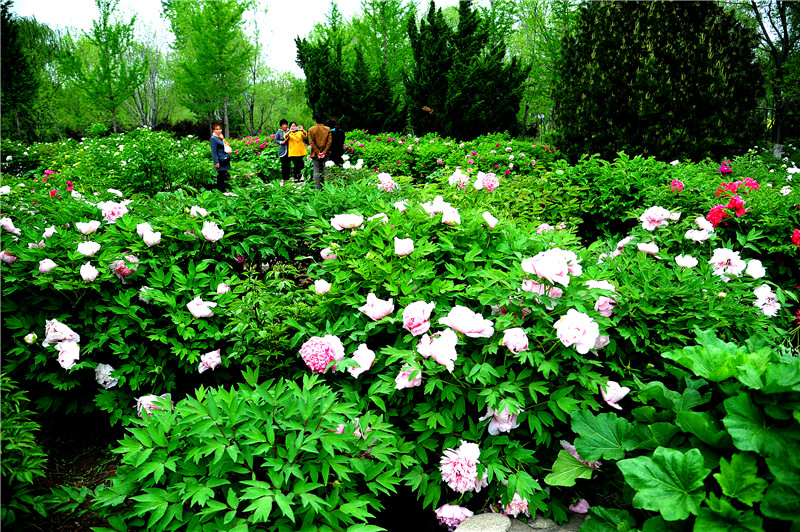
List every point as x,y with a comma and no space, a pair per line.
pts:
670,482
782,500
603,436
721,516
608,520
748,427
566,470
739,479
705,426
713,359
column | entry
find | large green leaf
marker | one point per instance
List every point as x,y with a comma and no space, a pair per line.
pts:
672,400
782,500
608,520
712,359
705,426
748,427
775,378
721,516
670,482
602,436
566,470
739,479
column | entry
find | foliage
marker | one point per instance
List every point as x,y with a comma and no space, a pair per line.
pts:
266,452
667,79
22,458
20,79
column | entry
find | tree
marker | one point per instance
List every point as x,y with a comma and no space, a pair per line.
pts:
426,83
211,55
112,78
20,80
667,79
779,37
149,104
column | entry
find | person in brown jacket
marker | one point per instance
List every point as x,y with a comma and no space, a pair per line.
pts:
319,139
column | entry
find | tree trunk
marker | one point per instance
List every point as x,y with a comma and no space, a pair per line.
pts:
114,119
19,129
525,121
225,118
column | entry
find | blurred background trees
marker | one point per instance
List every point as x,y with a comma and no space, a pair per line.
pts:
671,79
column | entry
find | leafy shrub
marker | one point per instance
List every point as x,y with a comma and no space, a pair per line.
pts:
293,456
22,458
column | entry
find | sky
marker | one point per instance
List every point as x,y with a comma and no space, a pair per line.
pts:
284,20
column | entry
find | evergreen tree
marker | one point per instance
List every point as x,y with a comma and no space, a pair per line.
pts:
426,83
20,80
668,79
110,79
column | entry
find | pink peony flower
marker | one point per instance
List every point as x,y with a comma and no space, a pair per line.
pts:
403,246
201,309
529,285
68,353
451,515
726,262
486,181
491,221
8,226
698,235
650,248
766,300
381,216
467,322
416,316
441,346
88,248
602,341
544,228
197,212
223,288
386,183
502,421
376,308
322,286
554,264
7,257
451,217
212,232
364,357
49,232
113,210
121,268
685,261
605,306
515,340
571,448
327,254
401,205
612,393
143,228
459,178
102,374
88,272
147,403
581,507
437,206
152,238
317,352
210,361
578,329
46,265
459,468
55,332
676,186
346,221
654,217
517,505
755,269
704,224
408,378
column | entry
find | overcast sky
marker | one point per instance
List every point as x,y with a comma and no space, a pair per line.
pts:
284,20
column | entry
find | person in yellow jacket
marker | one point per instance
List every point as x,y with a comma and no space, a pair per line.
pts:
297,150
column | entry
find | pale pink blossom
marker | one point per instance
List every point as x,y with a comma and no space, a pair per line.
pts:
197,212
35,245
327,254
654,217
600,285
467,322
212,232
386,183
571,449
624,242
612,393
704,224
451,217
88,272
68,353
88,248
86,228
685,261
517,505
381,216
491,221
210,360
364,357
766,300
223,288
144,294
515,340
46,265
143,228
147,403
317,352
113,210
602,341
416,317
755,269
726,262
408,378
459,468
459,179
401,205
346,221
554,264
377,309
8,226
321,286
451,515
7,257
437,206
553,292
544,227
650,248
605,306
102,374
201,309
578,329
581,507
698,235
55,332
30,338
503,421
49,232
486,181
403,246
441,347
153,238
123,268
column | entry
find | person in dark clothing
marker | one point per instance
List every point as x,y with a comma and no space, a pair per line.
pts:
337,142
282,140
222,159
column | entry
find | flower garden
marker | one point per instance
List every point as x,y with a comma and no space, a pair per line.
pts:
476,327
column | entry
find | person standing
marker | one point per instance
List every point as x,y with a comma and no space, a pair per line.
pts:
283,149
221,156
337,142
297,150
319,138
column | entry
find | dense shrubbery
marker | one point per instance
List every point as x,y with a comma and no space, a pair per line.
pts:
535,249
